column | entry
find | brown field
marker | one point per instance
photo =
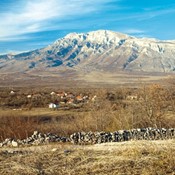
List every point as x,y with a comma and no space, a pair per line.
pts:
113,110
71,78
127,158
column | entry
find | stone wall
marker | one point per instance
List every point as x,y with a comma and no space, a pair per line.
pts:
122,135
38,138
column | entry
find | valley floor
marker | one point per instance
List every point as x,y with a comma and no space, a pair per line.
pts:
83,79
124,158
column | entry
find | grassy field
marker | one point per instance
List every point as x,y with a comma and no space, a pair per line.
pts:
22,123
112,110
125,158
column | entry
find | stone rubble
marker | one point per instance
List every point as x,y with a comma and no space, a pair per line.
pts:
38,138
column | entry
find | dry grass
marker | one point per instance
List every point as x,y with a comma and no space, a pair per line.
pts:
122,78
21,124
135,157
139,157
110,112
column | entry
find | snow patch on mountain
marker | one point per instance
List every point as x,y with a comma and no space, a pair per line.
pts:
100,50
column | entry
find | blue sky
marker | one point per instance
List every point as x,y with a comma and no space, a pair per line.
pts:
31,24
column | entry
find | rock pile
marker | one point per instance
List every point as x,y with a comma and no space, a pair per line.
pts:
122,135
37,138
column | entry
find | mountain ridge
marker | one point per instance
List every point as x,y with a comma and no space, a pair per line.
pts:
101,50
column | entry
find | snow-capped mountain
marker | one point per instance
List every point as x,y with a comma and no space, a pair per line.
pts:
97,50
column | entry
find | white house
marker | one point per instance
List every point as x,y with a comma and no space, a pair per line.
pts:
52,93
53,106
12,92
29,96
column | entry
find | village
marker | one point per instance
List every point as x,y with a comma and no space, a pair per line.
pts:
66,122
63,99
65,111
56,100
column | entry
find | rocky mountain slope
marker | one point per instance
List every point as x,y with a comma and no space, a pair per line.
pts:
96,51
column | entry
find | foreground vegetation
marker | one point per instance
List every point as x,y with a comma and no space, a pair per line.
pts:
133,157
113,109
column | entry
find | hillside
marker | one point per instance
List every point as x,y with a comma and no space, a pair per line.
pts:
102,56
98,50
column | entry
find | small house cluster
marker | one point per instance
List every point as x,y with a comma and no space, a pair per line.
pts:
68,98
52,99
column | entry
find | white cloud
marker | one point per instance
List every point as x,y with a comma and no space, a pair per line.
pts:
36,15
152,13
133,31
147,14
